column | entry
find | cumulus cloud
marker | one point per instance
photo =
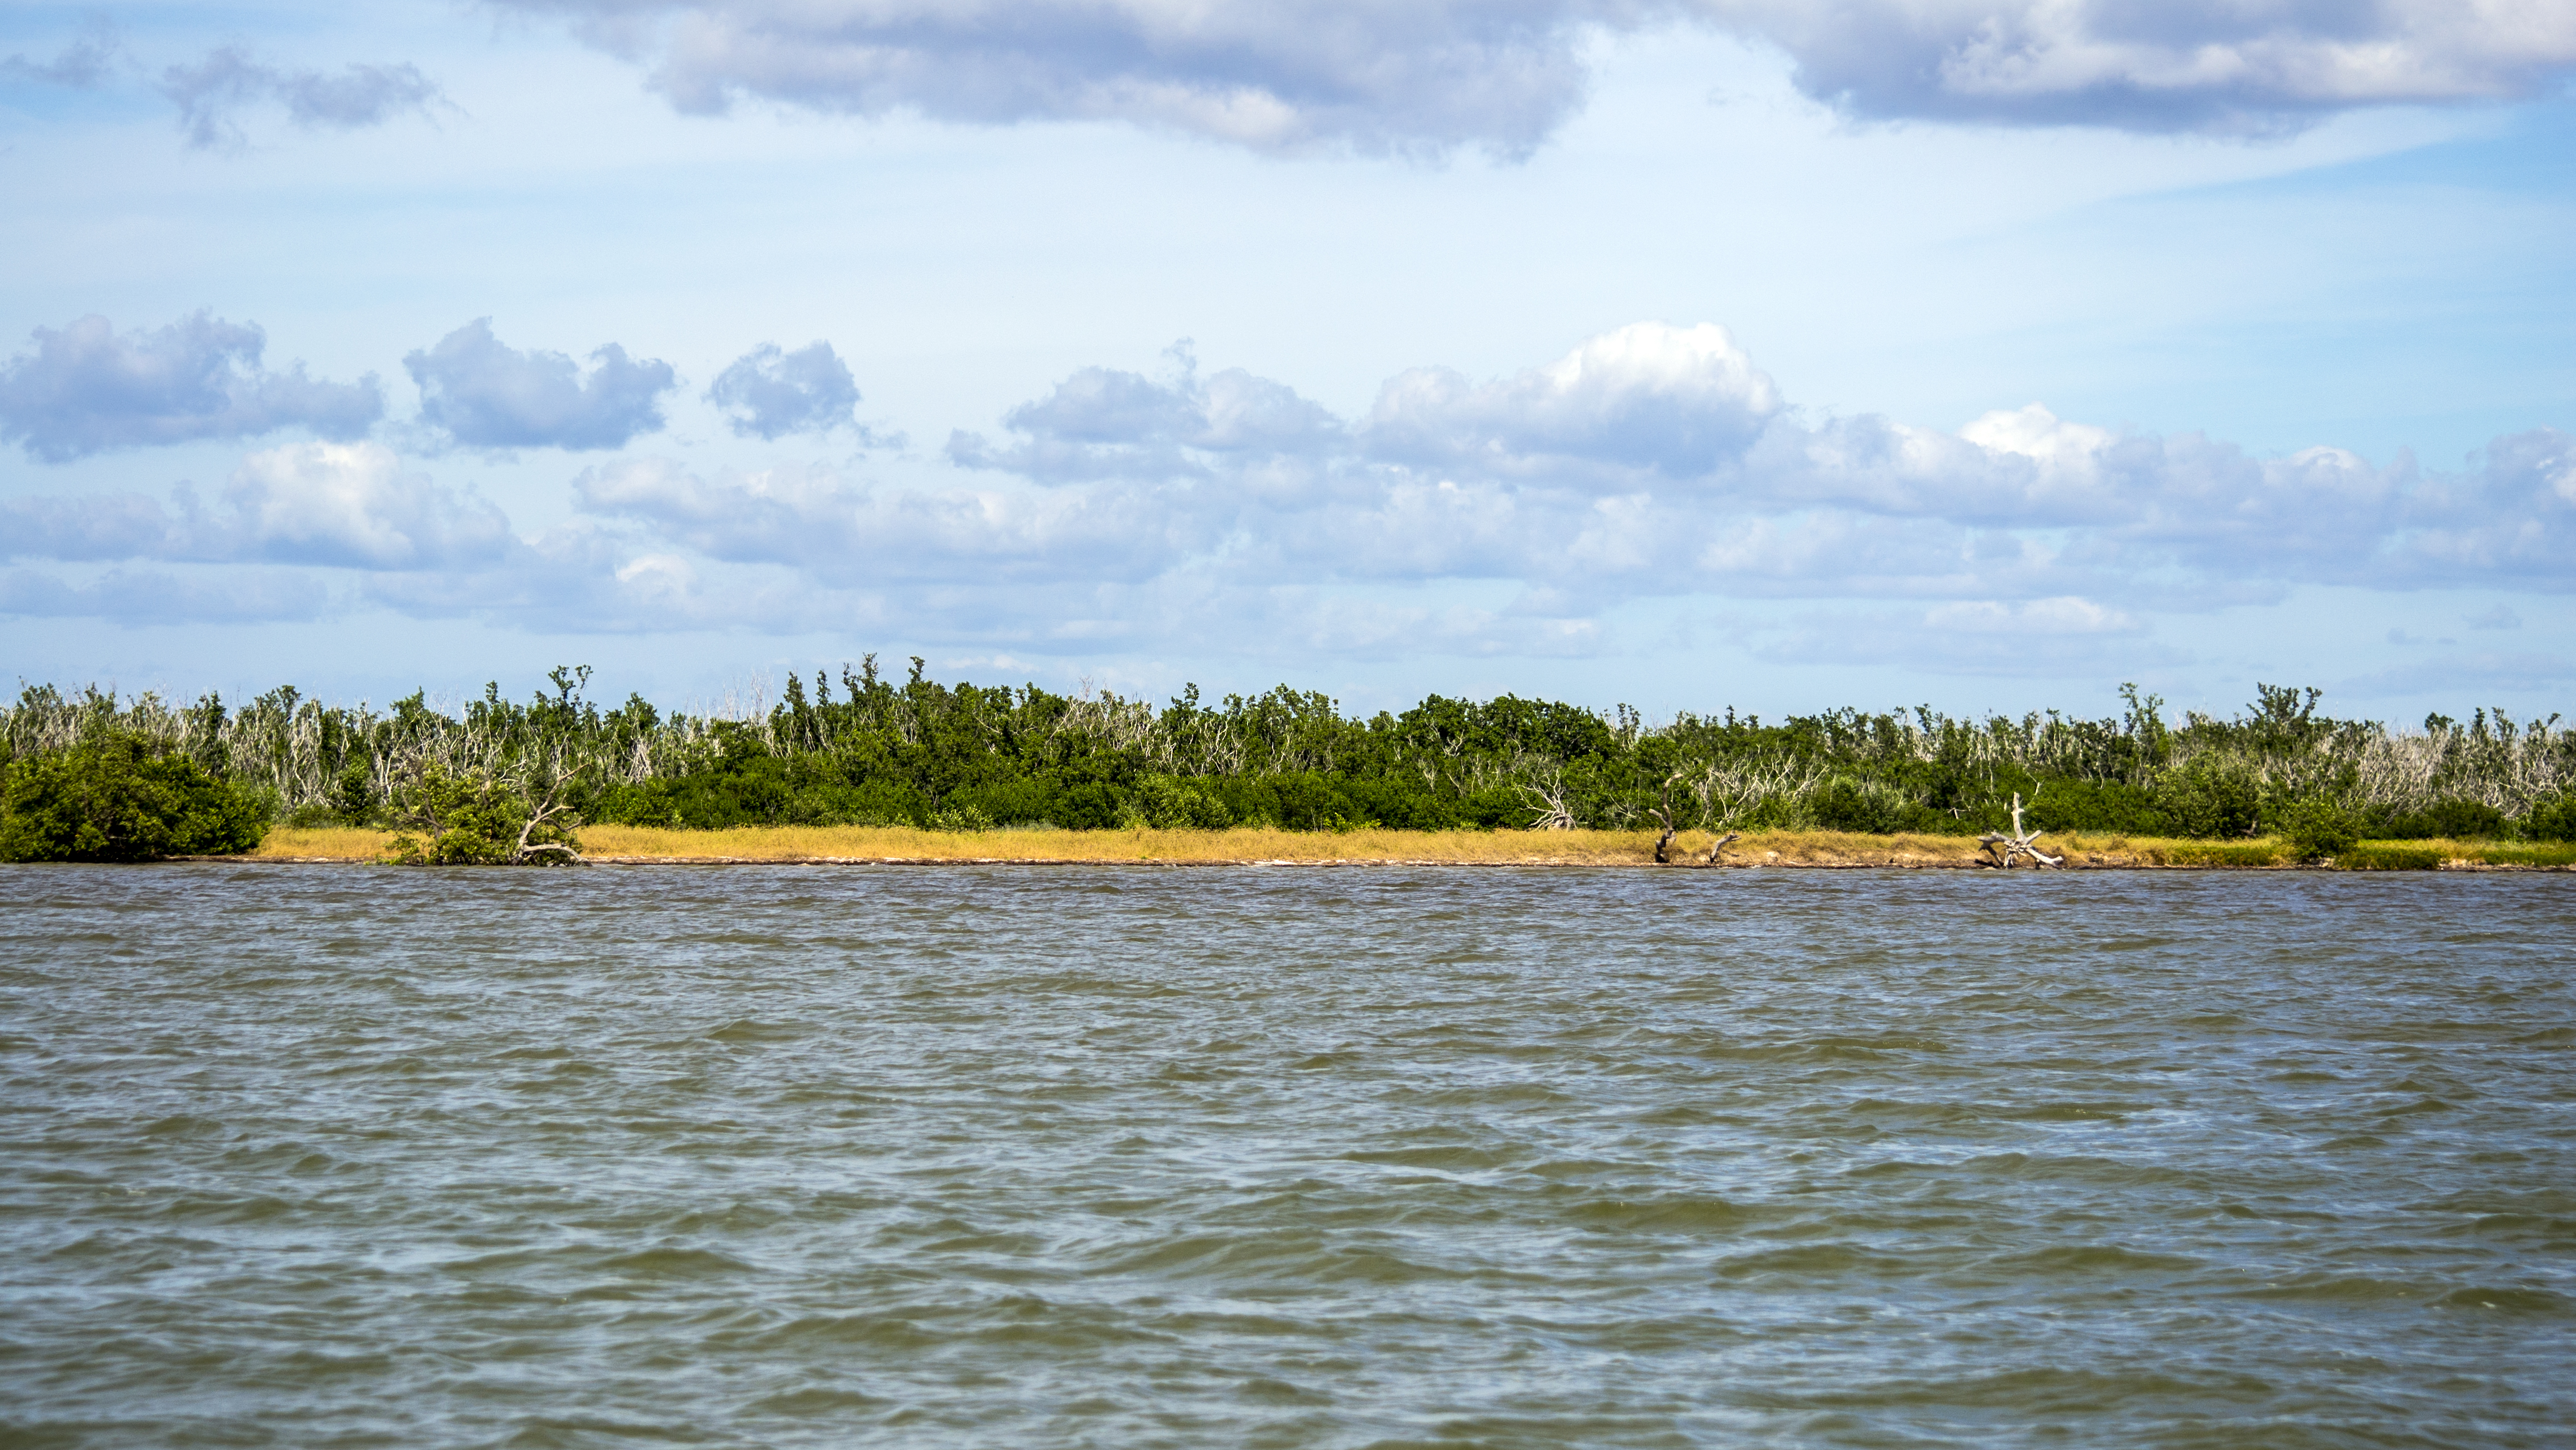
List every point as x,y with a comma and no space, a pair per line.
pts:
1676,401
1658,460
345,505
485,394
211,93
88,388
1503,74
1104,423
766,393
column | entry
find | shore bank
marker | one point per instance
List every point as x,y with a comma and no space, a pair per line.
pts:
827,845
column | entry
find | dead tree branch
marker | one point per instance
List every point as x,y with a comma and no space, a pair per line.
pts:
547,807
2008,849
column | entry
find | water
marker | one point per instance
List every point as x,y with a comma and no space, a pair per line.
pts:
1133,1157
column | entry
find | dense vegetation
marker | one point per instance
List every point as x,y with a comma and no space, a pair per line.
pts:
110,796
881,751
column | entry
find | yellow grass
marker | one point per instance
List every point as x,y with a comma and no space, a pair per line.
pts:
1494,848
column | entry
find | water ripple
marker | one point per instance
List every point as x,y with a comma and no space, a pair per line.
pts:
1104,1157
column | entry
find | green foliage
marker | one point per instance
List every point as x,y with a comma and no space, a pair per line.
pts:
112,798
2319,828
2450,820
961,819
2213,795
873,748
1866,807
476,820
2552,820
1170,803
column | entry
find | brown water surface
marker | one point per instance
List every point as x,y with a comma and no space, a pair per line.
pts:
1125,1157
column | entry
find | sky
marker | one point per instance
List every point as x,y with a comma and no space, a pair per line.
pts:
1980,353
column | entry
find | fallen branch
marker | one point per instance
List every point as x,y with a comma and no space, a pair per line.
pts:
548,807
2018,844
1731,836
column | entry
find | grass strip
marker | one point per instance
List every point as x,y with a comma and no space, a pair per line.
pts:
1247,845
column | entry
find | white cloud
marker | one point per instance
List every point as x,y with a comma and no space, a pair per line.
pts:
353,505
1679,402
344,505
485,394
88,388
2063,614
766,392
1650,463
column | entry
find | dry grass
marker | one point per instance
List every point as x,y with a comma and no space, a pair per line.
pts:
1458,848
1488,848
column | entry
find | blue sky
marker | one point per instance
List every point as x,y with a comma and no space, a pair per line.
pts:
1688,354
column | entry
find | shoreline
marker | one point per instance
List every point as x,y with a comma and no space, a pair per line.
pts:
1255,847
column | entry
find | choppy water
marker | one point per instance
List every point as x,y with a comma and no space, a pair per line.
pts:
1042,1157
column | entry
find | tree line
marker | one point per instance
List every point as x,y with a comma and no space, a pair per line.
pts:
870,748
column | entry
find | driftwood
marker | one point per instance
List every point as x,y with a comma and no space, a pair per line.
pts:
2008,849
1731,836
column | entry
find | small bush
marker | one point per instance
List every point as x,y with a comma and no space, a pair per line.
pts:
1863,807
476,820
2317,828
960,819
2552,820
1170,803
2451,820
111,799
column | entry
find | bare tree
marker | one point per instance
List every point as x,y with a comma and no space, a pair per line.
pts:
1545,794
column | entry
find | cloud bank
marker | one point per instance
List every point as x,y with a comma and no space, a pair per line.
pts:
1653,465
1501,75
342,505
88,388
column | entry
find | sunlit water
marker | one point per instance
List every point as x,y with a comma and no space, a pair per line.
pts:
1138,1157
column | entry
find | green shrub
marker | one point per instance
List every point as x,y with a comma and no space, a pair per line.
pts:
2211,797
1861,806
963,819
1170,803
111,799
476,820
2316,828
2452,820
2552,820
